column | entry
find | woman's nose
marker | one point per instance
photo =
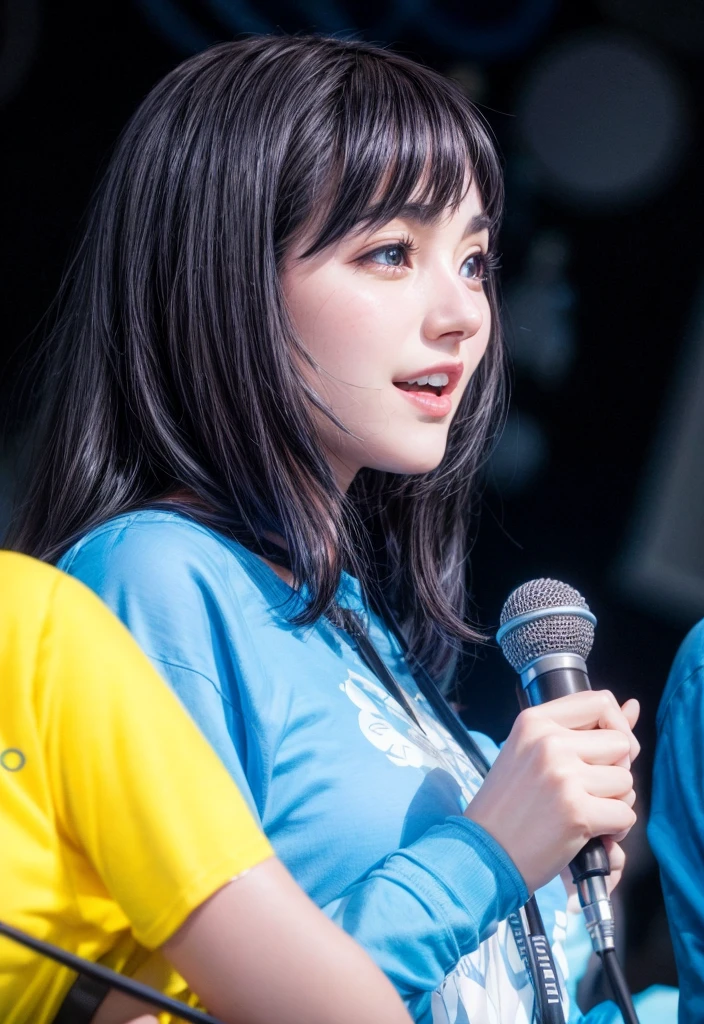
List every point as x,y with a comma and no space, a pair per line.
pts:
455,311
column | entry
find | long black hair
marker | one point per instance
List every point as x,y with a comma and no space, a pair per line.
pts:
174,367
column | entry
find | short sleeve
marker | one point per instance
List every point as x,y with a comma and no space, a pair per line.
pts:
167,579
135,783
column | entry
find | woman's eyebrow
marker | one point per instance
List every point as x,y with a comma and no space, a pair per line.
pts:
426,214
480,222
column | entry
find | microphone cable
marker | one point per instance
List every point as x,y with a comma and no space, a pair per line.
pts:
619,986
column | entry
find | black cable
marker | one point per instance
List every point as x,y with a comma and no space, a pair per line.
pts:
619,987
133,988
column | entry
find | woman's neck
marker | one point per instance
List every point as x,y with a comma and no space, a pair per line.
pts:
281,571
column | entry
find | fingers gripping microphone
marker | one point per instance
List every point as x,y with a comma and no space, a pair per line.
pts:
546,634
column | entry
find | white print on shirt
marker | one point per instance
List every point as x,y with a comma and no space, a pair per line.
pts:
432,748
490,985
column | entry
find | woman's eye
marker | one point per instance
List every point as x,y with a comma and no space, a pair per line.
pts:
475,267
389,256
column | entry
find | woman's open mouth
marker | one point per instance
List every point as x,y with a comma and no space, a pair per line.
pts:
431,384
430,392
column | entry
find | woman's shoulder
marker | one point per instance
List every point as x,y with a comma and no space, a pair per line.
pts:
155,550
157,537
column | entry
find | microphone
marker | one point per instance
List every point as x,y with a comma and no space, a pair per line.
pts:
546,633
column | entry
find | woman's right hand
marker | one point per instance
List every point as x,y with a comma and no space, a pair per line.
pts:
561,778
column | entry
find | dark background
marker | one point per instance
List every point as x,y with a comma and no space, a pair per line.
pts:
602,264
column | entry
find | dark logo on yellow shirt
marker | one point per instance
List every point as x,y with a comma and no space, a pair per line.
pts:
12,759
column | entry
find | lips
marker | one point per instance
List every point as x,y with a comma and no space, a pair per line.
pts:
409,383
431,400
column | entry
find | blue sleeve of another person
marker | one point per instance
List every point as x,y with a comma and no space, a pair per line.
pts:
676,828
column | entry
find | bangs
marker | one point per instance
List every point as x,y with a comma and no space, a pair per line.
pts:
403,136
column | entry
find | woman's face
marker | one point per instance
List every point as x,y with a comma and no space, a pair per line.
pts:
398,320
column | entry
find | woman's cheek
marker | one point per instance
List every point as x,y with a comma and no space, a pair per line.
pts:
345,336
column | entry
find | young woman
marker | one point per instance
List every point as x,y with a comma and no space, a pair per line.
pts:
110,852
277,367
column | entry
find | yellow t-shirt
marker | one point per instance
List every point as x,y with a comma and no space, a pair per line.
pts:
116,818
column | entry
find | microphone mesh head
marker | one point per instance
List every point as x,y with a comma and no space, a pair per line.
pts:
552,634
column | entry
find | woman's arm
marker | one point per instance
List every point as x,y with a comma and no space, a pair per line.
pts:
425,906
556,783
562,778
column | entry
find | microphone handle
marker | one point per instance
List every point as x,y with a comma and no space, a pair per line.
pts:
550,685
592,859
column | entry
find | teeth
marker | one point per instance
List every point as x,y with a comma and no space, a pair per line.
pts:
436,380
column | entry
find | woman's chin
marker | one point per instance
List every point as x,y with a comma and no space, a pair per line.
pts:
411,462
410,456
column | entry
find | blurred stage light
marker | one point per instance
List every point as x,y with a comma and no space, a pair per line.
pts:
664,564
470,78
605,119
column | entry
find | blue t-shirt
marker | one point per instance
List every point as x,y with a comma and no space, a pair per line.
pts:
363,805
676,828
